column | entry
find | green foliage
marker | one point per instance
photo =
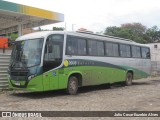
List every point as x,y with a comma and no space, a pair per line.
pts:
12,36
58,28
153,34
135,31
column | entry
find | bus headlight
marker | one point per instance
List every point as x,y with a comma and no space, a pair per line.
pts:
31,76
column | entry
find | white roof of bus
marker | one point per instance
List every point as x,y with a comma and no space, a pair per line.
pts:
43,34
40,34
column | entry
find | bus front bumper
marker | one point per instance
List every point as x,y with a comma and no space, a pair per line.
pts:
34,84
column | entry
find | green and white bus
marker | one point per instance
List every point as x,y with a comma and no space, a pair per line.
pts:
52,60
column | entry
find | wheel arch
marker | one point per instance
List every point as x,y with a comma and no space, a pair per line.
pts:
78,75
131,71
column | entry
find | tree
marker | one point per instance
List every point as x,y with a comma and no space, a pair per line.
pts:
153,34
14,36
133,31
137,28
58,28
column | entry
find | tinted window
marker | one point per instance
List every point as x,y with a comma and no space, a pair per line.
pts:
81,47
136,52
92,47
145,52
100,48
125,51
54,48
111,49
72,46
76,46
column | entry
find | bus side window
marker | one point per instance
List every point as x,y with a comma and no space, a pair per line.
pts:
100,48
111,49
92,47
72,46
136,52
125,50
82,46
145,52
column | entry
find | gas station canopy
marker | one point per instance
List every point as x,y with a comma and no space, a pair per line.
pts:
16,17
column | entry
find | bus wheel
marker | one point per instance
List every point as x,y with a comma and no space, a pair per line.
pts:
129,78
72,87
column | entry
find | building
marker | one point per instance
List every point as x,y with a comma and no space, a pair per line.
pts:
155,58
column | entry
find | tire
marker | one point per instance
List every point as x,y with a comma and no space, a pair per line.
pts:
129,78
72,87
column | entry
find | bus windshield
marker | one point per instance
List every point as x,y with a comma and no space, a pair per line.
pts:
27,53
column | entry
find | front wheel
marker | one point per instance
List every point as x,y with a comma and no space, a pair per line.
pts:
72,87
129,78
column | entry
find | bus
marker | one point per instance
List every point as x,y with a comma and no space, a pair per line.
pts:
52,60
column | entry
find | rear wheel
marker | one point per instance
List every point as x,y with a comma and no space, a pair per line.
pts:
129,78
72,87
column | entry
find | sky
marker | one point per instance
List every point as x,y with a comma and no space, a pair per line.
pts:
96,15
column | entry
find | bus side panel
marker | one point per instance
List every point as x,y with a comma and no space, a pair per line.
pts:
64,74
100,75
137,73
92,75
50,80
36,84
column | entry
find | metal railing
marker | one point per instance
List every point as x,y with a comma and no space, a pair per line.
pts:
4,62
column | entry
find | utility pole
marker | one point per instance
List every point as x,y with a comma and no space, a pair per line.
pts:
65,26
73,27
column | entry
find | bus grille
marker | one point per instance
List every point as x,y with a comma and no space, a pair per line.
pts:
19,73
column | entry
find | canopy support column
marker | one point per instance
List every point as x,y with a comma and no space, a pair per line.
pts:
20,30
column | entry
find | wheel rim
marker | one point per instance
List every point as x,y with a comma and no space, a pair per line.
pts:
73,86
129,79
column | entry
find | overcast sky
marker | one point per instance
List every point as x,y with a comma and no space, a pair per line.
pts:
96,15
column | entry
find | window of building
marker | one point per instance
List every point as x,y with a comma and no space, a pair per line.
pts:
155,46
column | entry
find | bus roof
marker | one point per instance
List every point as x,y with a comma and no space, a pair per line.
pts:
43,34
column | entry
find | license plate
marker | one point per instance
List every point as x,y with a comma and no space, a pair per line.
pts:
17,83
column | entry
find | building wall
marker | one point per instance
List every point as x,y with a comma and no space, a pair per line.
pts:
155,58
